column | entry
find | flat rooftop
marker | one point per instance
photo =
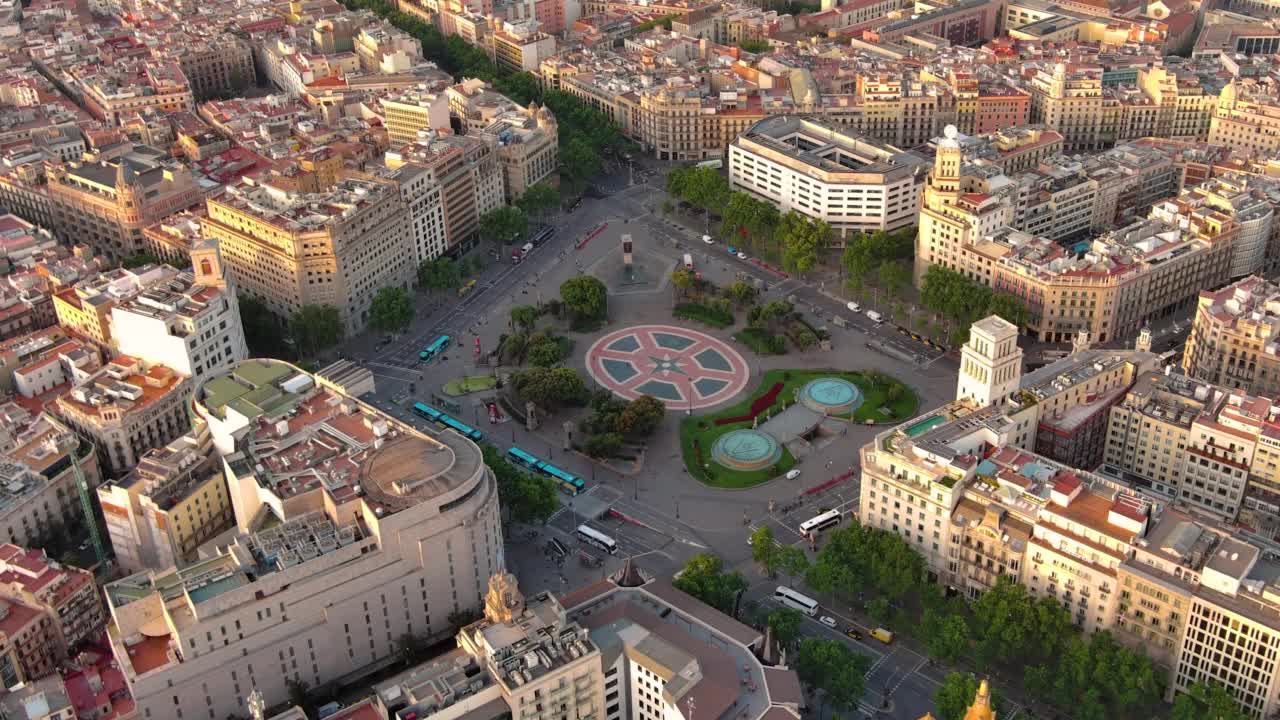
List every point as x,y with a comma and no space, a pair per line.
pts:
830,148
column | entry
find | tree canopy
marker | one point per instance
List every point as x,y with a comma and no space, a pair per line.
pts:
955,296
391,309
527,497
705,578
585,297
504,225
316,327
956,693
803,241
551,388
441,273
833,667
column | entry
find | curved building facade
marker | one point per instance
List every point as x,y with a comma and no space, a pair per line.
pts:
353,530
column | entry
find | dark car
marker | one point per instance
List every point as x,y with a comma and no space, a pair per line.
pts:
853,634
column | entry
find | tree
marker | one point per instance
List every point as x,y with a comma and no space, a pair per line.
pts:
786,624
792,561
682,278
523,317
755,46
315,327
641,417
1010,308
956,694
741,292
585,297
835,668
551,388
543,350
894,278
581,162
504,225
1017,629
261,329
391,309
603,446
441,273
138,260
538,199
705,578
1206,702
946,636
764,549
803,240
528,498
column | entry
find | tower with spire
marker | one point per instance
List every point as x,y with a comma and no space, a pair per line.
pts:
980,709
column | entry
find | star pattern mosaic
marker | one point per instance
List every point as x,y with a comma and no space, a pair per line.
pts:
683,368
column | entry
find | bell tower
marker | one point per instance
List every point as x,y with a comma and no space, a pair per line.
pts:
206,263
504,602
990,362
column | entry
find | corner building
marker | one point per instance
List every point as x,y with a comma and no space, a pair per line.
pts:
353,529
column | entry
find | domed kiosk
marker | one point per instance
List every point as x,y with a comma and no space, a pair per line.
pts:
831,396
746,450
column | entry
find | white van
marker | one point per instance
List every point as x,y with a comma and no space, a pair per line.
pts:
875,317
688,261
853,306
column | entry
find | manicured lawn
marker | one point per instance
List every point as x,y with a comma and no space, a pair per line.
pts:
703,314
473,383
705,431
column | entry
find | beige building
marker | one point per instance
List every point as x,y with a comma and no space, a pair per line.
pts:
1147,432
353,529
1070,101
1247,117
460,180
85,309
108,205
292,249
1233,339
215,65
127,409
66,596
1142,271
851,182
174,500
412,111
525,139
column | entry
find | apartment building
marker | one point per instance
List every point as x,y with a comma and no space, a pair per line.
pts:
31,639
1069,100
469,179
1119,282
131,86
174,500
422,196
518,47
127,408
108,205
628,646
1233,337
67,596
84,309
214,65
188,322
411,111
1148,432
525,139
291,249
39,496
851,182
1250,206
1247,117
353,529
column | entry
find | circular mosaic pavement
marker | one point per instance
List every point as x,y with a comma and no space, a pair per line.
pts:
685,369
746,450
831,396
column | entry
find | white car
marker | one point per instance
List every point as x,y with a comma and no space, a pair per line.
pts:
828,621
793,473
707,239
742,256
853,306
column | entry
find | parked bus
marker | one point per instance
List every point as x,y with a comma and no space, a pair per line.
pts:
820,522
597,538
461,428
426,411
521,457
467,287
569,483
796,601
437,346
542,236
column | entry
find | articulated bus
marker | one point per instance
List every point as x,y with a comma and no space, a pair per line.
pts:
462,428
437,346
796,601
597,538
427,412
820,522
568,483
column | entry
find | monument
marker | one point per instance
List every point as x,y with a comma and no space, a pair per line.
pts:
630,275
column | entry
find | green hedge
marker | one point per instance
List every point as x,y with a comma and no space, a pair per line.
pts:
761,342
711,316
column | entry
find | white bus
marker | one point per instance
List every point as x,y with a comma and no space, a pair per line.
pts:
717,163
597,538
820,522
796,601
